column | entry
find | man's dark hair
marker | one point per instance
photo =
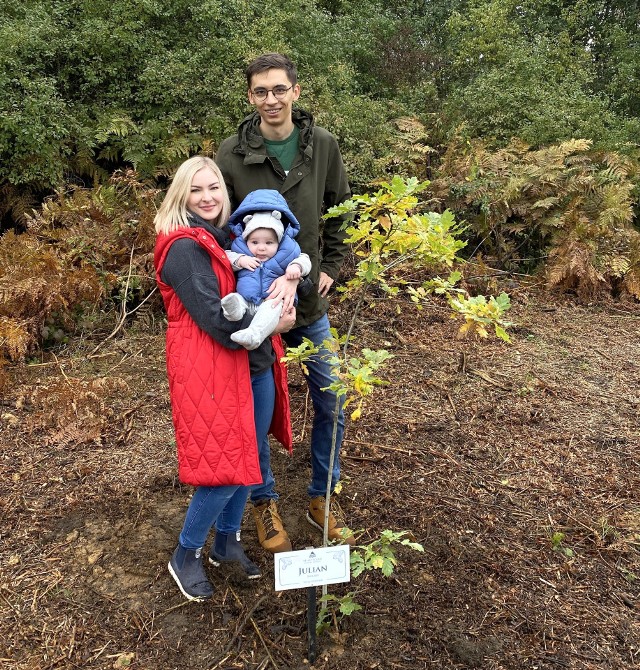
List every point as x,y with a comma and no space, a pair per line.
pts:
271,61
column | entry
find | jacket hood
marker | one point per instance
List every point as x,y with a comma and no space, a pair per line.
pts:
264,200
250,137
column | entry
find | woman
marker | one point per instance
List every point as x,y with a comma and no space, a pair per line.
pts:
224,399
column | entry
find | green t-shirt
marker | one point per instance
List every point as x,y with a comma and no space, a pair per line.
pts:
284,150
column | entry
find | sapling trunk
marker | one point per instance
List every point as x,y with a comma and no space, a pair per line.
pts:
334,434
332,458
390,232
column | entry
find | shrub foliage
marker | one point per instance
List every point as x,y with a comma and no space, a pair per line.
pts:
90,87
91,91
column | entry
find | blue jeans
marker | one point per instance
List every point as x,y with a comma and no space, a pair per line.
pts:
224,505
264,396
207,505
320,376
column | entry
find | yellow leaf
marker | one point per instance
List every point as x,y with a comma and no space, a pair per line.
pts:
464,328
359,385
124,660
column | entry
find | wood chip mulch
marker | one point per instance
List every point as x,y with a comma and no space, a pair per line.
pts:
517,467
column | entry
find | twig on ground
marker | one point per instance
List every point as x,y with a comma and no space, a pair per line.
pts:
175,607
486,378
363,458
240,628
264,644
125,314
379,446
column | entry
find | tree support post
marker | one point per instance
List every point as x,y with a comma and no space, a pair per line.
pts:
311,624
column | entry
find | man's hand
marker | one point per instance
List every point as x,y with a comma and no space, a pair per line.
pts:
324,284
287,321
283,289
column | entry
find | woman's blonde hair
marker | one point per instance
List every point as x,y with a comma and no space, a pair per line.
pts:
173,210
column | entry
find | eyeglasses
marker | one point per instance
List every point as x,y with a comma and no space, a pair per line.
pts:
278,92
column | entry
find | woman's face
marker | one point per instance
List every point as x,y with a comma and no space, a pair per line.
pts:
206,197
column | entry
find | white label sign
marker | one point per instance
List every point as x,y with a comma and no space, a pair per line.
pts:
312,567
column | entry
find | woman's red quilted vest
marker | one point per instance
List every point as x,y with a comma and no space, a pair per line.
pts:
210,386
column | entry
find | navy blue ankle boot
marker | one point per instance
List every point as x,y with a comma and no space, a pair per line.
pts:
187,569
227,549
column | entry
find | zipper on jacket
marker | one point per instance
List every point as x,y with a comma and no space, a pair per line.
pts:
277,168
262,290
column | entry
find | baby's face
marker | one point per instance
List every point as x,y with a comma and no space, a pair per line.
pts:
263,243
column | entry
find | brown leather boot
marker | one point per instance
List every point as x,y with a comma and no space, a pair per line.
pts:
338,530
271,533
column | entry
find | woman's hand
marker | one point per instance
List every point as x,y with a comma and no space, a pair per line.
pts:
287,321
284,290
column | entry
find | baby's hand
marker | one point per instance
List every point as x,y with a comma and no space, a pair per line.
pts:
248,262
294,271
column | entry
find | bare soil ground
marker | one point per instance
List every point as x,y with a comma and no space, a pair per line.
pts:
516,467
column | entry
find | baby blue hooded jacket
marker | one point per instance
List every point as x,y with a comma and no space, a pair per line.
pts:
253,285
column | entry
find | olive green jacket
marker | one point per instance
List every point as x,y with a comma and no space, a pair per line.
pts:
316,181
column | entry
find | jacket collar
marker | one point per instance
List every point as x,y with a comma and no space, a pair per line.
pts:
220,235
250,139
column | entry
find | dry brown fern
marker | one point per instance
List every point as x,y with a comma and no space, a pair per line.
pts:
16,202
631,283
77,253
73,435
36,289
570,267
14,339
557,200
630,280
5,380
410,153
73,409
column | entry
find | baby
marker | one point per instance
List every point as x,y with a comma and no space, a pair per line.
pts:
263,250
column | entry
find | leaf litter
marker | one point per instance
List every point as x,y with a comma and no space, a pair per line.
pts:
517,467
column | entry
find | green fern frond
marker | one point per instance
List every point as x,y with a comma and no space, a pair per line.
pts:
118,126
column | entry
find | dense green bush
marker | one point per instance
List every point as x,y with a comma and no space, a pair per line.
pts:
544,71
107,84
86,88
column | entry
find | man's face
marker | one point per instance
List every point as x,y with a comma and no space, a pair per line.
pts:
275,114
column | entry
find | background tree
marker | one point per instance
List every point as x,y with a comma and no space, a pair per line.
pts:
87,89
91,87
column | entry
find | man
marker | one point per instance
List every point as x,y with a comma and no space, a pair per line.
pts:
279,147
